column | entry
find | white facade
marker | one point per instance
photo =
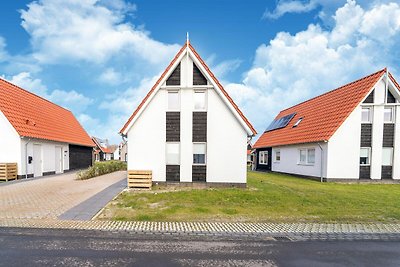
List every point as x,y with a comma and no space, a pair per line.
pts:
290,160
226,146
47,157
341,154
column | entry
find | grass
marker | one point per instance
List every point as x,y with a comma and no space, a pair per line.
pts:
268,198
100,168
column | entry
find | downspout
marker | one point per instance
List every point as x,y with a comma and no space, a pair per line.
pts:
26,158
322,163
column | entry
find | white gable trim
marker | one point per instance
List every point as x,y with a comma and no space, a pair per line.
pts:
189,52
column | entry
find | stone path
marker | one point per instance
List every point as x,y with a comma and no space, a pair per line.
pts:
50,196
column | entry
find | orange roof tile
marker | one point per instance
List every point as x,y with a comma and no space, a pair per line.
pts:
322,115
208,71
35,117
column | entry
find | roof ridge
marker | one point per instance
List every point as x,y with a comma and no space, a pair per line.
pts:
333,90
20,88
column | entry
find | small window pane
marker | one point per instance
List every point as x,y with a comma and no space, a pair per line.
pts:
364,156
199,153
173,101
278,155
263,157
200,100
303,155
366,115
311,156
173,157
388,115
387,153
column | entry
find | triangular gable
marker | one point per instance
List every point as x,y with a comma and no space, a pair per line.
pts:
175,77
204,71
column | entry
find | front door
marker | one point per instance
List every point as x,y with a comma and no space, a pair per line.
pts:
59,159
37,160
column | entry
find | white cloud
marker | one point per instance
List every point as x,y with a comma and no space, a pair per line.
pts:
284,7
110,76
89,30
3,52
225,67
292,68
71,100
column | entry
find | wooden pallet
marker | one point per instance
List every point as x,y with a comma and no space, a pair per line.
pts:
8,171
139,179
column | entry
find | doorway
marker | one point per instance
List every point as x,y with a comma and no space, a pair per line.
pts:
58,159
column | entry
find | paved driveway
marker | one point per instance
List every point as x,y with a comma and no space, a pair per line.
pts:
49,197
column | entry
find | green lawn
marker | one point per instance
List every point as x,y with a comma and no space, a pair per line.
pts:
268,198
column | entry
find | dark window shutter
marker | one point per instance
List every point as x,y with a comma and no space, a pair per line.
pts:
175,78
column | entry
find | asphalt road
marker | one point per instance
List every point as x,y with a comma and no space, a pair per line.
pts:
39,247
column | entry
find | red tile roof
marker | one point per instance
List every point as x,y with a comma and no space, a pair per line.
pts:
35,117
208,71
322,115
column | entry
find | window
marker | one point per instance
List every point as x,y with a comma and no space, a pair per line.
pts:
173,100
298,122
388,115
365,155
387,156
307,156
199,153
172,154
199,100
263,157
366,115
277,155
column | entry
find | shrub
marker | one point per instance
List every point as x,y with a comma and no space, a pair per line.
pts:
100,168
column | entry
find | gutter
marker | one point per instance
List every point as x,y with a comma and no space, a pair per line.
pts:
322,162
26,158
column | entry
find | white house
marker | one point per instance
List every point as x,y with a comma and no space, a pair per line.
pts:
187,128
352,132
103,151
41,137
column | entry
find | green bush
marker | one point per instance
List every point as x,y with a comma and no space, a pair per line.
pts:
100,168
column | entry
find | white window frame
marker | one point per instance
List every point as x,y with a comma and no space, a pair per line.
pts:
392,113
307,161
370,114
276,153
391,156
205,154
369,156
196,91
179,100
166,153
297,122
263,162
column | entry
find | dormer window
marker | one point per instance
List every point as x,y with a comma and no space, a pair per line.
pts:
298,122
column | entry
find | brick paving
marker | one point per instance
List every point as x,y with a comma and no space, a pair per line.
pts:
50,196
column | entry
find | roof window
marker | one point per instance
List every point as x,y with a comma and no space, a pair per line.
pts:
298,122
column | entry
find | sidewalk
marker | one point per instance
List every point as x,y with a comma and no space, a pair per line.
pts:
290,231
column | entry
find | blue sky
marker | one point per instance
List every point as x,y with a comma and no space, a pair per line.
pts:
99,58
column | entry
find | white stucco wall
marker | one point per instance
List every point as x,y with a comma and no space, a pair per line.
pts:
396,152
48,150
10,143
290,156
344,149
146,148
226,144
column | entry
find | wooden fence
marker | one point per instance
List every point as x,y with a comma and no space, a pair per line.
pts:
8,171
139,179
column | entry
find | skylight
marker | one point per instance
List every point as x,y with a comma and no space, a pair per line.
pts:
280,123
298,122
